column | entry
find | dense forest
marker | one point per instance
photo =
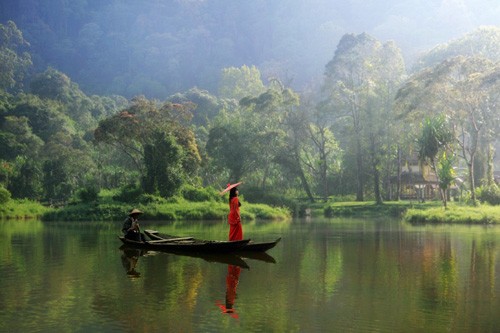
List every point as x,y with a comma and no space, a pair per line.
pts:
157,98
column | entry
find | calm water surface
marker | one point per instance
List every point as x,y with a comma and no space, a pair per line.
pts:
338,275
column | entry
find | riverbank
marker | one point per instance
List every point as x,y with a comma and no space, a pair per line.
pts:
168,211
180,209
455,214
23,209
111,211
370,208
415,212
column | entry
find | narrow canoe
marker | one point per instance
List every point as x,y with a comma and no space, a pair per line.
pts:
188,245
250,246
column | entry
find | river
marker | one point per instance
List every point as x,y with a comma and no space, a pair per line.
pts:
326,275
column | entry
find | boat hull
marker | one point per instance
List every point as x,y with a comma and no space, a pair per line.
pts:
250,246
200,246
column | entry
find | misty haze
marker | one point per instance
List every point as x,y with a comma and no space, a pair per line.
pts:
359,138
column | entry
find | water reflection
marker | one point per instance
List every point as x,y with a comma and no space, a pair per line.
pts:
130,257
261,256
232,280
356,275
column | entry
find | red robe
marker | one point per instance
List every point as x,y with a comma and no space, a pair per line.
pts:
234,220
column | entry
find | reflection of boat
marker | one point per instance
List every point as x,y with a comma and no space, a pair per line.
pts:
187,244
250,246
262,256
223,258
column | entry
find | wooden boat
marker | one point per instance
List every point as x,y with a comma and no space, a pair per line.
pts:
187,244
249,246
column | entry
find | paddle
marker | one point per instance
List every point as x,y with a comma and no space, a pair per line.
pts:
135,225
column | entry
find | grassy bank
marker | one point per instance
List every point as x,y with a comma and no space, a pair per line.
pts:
106,209
455,213
428,212
167,211
370,208
22,209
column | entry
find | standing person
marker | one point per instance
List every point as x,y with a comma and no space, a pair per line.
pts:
131,228
234,219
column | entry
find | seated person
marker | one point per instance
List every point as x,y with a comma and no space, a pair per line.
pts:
130,227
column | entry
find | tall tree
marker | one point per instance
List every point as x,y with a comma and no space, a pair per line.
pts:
240,82
360,82
322,156
436,137
151,135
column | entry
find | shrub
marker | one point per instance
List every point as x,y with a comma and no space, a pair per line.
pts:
88,194
4,195
128,193
196,194
489,194
256,195
151,199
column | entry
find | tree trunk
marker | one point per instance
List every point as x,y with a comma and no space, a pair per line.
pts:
376,173
300,173
490,178
472,182
376,179
398,184
359,171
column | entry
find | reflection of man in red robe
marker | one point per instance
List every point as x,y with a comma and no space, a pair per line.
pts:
234,220
232,278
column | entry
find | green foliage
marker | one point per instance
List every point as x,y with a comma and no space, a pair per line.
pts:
156,140
456,214
56,181
446,172
57,86
435,136
257,195
482,42
207,105
261,211
88,212
269,138
360,81
89,194
161,210
14,63
27,181
4,195
489,194
199,194
17,138
238,83
164,171
147,199
366,209
23,209
129,193
46,118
